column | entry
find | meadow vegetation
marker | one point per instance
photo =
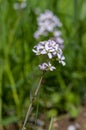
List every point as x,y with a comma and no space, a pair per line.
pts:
64,89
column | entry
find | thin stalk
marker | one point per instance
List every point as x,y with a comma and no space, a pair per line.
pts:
14,91
36,113
76,20
31,103
51,122
75,10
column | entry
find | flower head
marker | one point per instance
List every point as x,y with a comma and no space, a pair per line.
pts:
47,22
52,50
46,67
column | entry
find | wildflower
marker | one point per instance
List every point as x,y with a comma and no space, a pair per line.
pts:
40,32
47,22
57,33
49,17
38,49
46,47
61,60
51,49
57,38
46,66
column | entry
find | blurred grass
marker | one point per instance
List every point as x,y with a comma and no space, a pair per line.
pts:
19,72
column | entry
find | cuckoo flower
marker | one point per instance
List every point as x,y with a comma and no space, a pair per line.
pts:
52,50
47,23
46,66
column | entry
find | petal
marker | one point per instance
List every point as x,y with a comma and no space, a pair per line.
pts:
59,56
49,55
43,52
46,46
63,58
52,68
34,51
63,63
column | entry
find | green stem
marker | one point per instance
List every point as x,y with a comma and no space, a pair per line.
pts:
31,104
14,91
51,122
76,19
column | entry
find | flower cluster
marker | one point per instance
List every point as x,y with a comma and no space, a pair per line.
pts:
48,23
52,50
46,66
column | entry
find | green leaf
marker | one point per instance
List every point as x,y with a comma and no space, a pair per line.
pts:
9,120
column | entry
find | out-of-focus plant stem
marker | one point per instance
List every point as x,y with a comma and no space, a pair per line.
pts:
6,50
14,91
76,20
51,123
31,103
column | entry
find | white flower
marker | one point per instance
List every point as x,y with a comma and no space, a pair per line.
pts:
50,18
61,60
40,32
59,40
49,47
43,66
46,66
51,67
46,15
19,5
39,48
46,47
47,22
57,33
23,5
57,51
52,50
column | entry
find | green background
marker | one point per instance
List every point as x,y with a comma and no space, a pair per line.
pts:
64,89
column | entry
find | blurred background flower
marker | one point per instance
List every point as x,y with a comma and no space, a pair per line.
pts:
20,5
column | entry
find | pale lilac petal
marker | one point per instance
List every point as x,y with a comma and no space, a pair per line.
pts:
59,40
47,23
50,55
62,62
63,58
52,68
57,33
43,51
